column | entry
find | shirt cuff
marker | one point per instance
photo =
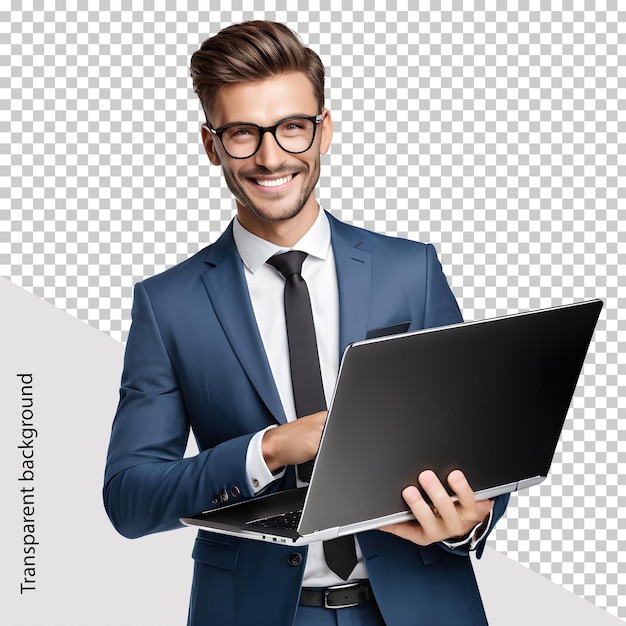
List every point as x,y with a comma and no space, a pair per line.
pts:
471,540
259,474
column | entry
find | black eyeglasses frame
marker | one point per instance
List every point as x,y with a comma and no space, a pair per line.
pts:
316,119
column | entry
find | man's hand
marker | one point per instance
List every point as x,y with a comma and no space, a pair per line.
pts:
446,519
293,443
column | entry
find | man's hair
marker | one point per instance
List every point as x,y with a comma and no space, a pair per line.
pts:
250,52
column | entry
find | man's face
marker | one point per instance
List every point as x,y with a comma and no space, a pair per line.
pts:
272,185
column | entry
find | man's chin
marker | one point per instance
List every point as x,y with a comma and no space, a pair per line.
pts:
275,213
272,217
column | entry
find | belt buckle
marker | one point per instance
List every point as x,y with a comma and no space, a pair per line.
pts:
340,588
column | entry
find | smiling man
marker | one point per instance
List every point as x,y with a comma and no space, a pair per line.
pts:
210,349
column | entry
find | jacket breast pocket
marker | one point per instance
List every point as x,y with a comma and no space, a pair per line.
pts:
385,331
215,553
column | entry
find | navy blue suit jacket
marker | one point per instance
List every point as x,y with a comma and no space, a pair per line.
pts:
194,359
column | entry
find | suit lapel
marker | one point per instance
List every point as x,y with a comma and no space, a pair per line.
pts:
354,278
227,289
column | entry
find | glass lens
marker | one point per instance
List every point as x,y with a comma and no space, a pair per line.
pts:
295,135
241,141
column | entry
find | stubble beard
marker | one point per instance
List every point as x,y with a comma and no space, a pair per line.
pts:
289,212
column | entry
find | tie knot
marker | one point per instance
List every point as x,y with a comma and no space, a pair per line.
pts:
288,263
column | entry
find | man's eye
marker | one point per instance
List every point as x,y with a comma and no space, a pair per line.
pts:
295,127
240,133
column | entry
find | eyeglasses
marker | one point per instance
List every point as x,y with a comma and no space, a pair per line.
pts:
243,140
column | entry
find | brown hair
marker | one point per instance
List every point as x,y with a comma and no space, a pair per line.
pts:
252,51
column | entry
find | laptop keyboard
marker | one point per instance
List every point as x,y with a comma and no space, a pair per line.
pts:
286,521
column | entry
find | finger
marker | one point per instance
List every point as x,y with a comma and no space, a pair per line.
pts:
423,512
443,504
458,483
419,507
413,530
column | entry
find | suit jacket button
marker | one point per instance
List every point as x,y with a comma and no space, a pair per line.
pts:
223,496
295,558
235,491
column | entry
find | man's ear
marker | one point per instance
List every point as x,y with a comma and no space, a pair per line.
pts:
327,131
210,146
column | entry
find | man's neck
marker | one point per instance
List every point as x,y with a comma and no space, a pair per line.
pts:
283,233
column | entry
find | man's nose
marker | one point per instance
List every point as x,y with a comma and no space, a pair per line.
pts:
270,155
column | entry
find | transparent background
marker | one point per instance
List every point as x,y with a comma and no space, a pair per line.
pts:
495,130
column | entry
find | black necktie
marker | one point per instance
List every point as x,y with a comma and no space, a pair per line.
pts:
306,377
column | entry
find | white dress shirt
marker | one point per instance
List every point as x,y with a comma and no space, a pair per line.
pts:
266,287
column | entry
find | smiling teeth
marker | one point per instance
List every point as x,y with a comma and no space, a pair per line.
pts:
274,183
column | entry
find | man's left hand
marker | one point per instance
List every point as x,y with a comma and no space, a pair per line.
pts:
445,520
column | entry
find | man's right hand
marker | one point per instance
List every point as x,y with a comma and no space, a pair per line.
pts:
293,443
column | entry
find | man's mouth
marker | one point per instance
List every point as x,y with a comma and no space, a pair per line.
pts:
274,182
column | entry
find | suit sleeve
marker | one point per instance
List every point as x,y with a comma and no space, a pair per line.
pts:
148,484
440,305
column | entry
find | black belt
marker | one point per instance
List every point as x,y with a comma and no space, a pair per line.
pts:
339,597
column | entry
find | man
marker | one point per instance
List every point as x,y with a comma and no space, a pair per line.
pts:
208,350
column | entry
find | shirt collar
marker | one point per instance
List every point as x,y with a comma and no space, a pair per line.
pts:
255,251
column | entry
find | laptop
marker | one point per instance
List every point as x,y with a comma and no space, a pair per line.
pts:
487,397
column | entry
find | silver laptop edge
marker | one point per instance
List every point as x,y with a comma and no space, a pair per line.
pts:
349,529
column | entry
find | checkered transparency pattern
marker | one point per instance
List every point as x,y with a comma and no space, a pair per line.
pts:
495,130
